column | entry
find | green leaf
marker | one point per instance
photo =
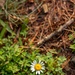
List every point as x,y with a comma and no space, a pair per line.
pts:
6,26
26,20
71,37
1,52
12,67
53,51
3,32
72,46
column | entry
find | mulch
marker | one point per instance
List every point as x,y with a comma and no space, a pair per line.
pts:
44,23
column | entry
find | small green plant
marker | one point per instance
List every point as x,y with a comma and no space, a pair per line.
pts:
5,29
24,27
72,38
72,46
18,60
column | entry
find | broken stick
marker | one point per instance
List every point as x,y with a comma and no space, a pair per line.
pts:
55,32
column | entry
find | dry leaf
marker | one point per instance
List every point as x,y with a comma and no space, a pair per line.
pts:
45,8
65,63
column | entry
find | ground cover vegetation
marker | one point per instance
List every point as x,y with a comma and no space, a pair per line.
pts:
37,37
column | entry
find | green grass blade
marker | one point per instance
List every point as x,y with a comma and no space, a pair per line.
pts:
6,26
2,32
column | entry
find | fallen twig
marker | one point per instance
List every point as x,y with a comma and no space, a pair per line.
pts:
55,32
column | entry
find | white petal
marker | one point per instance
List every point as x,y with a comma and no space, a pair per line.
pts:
39,61
41,71
42,63
37,72
32,65
34,62
43,67
32,69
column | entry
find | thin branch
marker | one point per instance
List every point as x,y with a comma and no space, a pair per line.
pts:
55,32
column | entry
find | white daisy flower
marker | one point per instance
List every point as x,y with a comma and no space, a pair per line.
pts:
38,67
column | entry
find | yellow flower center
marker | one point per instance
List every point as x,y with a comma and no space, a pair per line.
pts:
38,67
